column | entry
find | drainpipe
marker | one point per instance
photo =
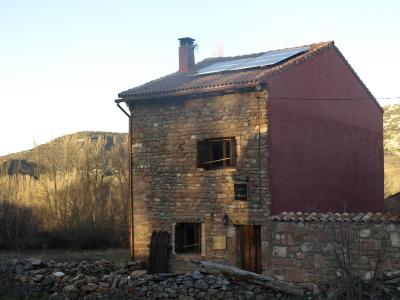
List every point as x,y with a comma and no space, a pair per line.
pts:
131,208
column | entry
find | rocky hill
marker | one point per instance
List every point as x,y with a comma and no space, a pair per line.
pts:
24,162
391,141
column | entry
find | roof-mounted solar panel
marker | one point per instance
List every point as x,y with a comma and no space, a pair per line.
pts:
266,59
222,66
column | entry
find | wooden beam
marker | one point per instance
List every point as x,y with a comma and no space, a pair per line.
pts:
262,280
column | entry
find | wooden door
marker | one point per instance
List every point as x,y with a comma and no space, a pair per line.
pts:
249,244
159,253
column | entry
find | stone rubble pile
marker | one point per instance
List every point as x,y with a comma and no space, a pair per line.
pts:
391,283
102,279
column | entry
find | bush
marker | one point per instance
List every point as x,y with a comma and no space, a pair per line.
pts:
82,237
18,225
94,236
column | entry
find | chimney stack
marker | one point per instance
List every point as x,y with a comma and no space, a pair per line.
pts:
186,55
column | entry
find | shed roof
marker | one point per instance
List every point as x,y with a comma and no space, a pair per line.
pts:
177,84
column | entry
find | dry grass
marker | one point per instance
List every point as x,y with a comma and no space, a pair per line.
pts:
115,255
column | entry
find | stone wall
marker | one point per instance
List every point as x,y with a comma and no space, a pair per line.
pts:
168,186
36,279
302,245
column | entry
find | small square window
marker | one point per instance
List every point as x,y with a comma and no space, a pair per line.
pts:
241,192
188,238
216,153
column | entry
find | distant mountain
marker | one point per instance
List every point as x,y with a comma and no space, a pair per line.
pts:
391,142
24,162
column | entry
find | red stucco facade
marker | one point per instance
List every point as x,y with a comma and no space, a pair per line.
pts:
324,155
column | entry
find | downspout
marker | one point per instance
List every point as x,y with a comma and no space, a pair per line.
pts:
131,207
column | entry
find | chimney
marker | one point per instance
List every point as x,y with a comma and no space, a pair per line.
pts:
186,54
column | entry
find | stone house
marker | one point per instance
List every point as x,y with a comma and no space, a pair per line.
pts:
221,145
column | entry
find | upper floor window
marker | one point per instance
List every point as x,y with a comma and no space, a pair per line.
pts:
216,153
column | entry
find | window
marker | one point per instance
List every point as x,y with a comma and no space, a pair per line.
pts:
216,153
188,238
240,191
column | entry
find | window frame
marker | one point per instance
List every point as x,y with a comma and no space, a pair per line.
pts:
236,185
179,232
205,153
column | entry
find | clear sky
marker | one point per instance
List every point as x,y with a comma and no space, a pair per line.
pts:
62,63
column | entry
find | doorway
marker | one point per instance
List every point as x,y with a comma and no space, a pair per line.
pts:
249,247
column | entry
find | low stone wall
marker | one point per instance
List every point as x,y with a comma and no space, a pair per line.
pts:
310,248
34,279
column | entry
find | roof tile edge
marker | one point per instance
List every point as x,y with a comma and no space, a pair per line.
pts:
366,217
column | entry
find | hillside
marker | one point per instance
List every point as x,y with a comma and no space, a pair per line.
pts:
93,135
25,162
391,141
70,193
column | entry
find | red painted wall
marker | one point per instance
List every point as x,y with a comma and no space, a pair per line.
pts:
324,155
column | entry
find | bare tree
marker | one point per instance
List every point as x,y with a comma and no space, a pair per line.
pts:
345,252
18,225
81,191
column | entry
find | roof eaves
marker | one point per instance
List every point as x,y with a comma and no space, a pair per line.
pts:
198,90
126,92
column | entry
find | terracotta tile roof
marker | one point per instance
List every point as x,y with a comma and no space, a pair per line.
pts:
337,217
177,84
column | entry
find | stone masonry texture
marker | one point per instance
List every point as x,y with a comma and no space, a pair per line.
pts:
169,187
303,252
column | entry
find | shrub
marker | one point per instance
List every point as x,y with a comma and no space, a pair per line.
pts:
18,225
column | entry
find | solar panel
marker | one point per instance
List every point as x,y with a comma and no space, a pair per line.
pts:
222,66
266,59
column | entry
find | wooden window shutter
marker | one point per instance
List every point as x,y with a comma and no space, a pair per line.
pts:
197,238
179,237
202,153
233,152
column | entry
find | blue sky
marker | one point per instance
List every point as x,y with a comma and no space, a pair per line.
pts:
62,63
